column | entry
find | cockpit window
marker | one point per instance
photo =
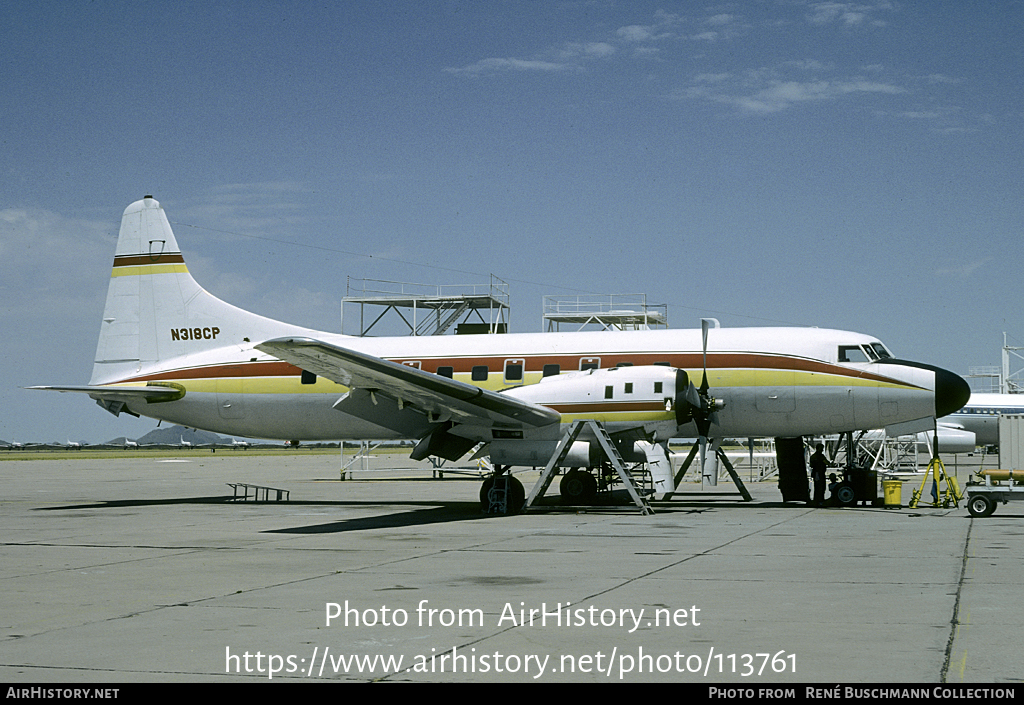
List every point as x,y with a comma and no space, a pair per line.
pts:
881,351
852,353
869,352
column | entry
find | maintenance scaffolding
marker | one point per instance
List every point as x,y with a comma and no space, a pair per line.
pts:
611,312
427,309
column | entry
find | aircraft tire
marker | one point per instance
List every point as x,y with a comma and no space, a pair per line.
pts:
578,487
516,499
980,506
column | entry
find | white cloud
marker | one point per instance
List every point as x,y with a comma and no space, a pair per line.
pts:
767,91
964,270
635,33
498,65
847,13
719,20
574,50
571,56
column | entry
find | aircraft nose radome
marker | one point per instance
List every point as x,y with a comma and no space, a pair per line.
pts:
951,392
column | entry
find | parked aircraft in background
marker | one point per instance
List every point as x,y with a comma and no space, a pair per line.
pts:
73,445
952,439
172,351
239,444
185,444
981,415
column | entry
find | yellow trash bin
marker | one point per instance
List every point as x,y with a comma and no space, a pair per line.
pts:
892,490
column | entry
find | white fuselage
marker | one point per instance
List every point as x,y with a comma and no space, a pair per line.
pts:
774,381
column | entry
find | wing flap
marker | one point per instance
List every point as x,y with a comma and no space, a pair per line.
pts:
440,397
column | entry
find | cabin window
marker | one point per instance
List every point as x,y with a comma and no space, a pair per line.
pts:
552,370
590,363
608,392
308,377
446,371
629,387
514,371
479,373
658,387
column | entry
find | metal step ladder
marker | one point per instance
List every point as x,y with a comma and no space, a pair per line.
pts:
611,452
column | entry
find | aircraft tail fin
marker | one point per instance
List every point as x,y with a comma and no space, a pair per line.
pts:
155,310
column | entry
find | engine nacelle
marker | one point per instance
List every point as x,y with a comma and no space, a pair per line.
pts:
619,397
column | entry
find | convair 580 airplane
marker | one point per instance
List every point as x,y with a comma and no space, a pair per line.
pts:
172,351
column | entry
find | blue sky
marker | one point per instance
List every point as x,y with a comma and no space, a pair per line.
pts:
847,165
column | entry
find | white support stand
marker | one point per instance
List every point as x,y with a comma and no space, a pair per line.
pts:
605,441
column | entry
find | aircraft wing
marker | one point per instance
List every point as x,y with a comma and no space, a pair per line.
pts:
441,398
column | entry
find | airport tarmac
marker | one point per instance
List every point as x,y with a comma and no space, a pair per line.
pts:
139,570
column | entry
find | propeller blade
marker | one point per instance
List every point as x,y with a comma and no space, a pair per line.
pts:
692,396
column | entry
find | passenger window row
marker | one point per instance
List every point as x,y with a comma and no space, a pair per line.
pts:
516,369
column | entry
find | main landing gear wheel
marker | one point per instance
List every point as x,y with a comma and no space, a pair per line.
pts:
491,500
578,487
980,506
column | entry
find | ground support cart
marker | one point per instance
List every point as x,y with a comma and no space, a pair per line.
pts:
983,497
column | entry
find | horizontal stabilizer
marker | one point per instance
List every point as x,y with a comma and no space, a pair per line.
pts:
150,393
116,399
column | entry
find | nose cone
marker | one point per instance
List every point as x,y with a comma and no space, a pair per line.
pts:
951,392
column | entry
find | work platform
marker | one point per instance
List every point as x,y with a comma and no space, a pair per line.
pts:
427,309
612,312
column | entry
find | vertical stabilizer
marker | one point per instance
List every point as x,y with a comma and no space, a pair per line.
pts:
156,311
